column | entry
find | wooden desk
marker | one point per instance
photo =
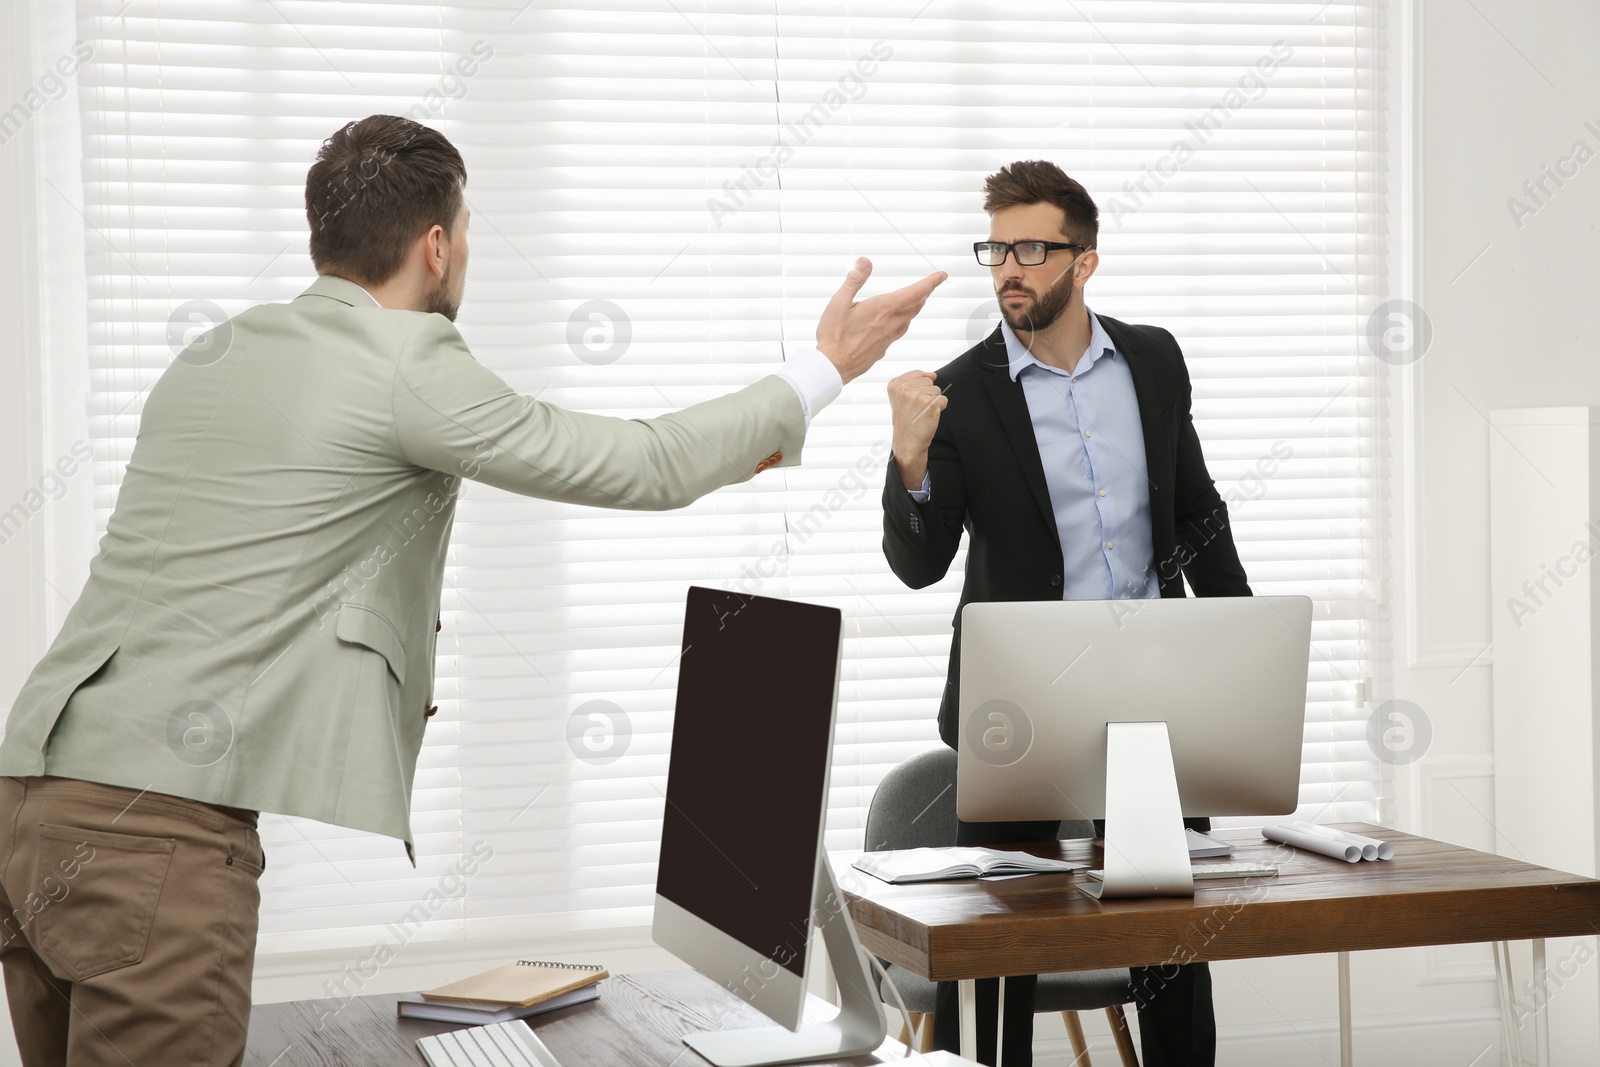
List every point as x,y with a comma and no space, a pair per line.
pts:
639,1021
1430,894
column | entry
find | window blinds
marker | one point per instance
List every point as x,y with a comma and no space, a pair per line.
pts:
664,194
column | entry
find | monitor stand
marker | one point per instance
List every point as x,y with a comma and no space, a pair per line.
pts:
858,1029
1146,849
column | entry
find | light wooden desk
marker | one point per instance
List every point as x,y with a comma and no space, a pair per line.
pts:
639,1021
1430,894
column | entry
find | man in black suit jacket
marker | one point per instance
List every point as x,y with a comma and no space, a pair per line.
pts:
1000,442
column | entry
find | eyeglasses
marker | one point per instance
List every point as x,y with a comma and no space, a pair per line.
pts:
1028,253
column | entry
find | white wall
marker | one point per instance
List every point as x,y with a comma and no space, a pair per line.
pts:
1513,310
1503,89
19,465
17,459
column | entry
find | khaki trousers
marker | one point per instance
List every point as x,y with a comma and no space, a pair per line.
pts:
127,925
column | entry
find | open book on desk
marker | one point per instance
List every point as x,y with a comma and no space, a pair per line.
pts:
939,864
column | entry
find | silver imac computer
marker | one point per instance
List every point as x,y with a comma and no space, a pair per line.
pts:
743,879
1139,712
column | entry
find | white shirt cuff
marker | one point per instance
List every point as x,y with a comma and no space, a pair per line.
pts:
814,378
921,495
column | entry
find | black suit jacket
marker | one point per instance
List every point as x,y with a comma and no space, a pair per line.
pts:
987,478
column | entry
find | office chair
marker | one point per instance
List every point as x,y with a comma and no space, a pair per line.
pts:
915,807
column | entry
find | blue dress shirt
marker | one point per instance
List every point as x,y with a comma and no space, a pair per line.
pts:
1091,442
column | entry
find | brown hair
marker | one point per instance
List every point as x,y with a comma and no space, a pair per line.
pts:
1035,181
377,185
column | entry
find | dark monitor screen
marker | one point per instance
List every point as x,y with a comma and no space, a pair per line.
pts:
747,781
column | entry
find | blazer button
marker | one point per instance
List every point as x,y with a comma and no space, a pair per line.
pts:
431,709
1055,579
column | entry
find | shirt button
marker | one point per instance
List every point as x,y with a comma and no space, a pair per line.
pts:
1088,433
1111,544
1102,492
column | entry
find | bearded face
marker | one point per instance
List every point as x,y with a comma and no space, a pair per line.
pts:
1028,311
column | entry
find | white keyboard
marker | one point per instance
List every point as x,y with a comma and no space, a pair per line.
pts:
509,1044
1216,870
1232,870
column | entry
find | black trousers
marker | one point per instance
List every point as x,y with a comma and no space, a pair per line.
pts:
1176,1025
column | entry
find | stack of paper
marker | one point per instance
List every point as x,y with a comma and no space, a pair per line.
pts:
1326,841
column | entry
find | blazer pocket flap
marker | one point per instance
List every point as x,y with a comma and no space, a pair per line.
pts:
362,625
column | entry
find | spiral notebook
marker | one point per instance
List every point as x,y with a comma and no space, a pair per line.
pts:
523,982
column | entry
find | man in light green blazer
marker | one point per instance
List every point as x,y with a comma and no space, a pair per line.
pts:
257,632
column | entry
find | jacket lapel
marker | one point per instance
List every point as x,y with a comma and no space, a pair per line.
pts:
1012,407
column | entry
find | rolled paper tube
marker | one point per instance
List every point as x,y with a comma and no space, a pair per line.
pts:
1312,842
1368,847
1385,849
1371,847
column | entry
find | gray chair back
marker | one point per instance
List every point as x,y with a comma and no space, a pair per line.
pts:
915,805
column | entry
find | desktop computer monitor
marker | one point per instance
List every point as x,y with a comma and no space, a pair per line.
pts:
743,879
1136,711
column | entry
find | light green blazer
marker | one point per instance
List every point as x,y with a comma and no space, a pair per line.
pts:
258,625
